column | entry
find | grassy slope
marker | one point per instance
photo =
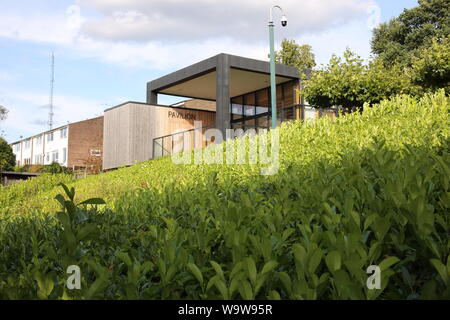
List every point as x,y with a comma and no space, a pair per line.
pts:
424,124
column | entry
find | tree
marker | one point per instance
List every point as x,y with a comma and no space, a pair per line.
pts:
293,54
349,82
337,84
7,157
3,112
380,82
431,68
399,40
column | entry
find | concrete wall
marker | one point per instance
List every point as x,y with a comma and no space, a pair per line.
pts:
129,130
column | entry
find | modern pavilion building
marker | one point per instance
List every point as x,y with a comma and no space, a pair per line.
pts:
228,92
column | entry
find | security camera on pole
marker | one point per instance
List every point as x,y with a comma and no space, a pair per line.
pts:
273,88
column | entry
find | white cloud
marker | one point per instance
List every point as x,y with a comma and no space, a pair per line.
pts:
142,20
28,112
168,34
38,27
158,55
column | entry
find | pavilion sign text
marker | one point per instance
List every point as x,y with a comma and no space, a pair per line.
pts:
184,116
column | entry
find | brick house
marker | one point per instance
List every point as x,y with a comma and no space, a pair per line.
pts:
74,145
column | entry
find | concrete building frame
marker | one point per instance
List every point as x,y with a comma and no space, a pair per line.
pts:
222,65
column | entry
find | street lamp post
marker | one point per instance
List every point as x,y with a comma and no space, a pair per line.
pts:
273,88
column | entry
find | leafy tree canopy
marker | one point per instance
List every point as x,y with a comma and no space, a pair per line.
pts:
349,82
293,54
7,157
431,68
3,112
399,40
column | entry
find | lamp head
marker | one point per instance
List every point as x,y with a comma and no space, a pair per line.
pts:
283,21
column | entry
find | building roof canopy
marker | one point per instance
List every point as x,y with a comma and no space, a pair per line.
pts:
204,86
199,80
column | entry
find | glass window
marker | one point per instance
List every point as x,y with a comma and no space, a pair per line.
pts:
249,111
38,159
249,105
262,101
260,110
64,155
262,98
236,108
55,156
288,93
280,100
64,132
236,111
27,144
50,136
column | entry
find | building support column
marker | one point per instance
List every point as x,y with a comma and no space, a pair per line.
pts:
223,104
297,100
152,96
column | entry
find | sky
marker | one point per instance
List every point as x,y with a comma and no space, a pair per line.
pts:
107,50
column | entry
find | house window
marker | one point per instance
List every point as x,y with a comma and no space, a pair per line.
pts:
38,159
27,144
50,136
17,147
55,156
47,157
64,155
64,132
38,140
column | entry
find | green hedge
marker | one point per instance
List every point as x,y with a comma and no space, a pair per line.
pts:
365,189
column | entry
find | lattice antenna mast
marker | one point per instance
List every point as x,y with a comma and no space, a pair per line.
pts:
50,104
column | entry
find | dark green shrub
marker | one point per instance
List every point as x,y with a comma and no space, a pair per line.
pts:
54,168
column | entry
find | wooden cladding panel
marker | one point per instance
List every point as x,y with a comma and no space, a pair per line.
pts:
116,136
129,130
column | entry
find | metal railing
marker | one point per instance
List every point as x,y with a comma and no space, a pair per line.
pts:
164,145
